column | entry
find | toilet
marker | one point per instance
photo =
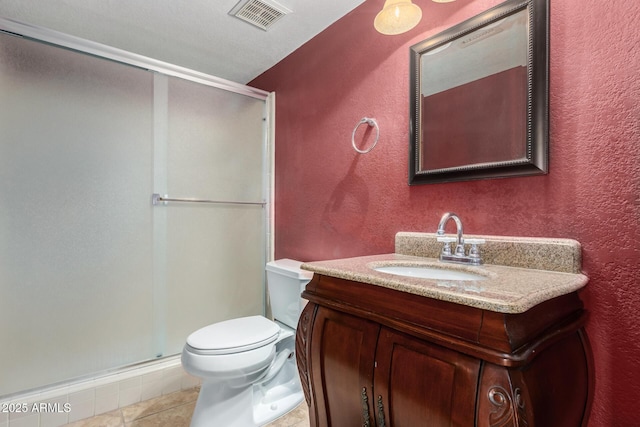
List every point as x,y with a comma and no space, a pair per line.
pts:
247,365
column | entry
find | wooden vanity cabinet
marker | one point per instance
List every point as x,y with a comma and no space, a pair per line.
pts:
357,357
344,368
417,383
373,356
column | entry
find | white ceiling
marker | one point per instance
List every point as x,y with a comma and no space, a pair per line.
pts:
196,34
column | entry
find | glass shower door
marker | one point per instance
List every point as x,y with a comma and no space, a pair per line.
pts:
215,252
76,239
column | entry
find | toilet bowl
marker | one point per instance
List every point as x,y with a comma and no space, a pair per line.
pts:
247,365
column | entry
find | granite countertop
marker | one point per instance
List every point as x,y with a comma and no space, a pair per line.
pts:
505,289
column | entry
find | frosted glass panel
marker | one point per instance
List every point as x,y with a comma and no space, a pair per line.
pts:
215,253
76,151
215,143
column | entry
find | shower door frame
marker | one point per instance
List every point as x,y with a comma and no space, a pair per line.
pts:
57,38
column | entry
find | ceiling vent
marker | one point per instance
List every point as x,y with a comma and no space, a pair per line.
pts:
261,13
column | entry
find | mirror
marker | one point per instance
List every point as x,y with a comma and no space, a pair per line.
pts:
479,97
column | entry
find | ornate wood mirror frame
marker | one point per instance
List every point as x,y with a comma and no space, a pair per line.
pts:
479,97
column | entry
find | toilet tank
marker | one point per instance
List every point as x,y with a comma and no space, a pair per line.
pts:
285,281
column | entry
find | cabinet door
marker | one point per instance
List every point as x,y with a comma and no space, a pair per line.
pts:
421,384
341,366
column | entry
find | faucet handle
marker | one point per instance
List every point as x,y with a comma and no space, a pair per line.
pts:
446,249
474,252
444,239
474,241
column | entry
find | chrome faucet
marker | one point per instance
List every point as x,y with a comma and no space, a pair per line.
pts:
443,222
459,256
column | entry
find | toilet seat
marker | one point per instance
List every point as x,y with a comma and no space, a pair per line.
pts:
233,336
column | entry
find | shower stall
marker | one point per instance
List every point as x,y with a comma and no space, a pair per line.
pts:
134,206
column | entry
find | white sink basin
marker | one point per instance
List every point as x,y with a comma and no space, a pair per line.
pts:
425,272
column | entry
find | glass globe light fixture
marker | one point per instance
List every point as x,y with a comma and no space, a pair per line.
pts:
397,17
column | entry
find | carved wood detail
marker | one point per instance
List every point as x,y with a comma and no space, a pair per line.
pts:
502,411
506,397
520,407
302,334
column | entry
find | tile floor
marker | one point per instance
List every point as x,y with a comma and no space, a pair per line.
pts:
174,410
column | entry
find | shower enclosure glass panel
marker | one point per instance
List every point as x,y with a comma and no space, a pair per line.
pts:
93,276
75,222
215,251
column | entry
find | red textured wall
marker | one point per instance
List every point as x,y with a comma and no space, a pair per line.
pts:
332,202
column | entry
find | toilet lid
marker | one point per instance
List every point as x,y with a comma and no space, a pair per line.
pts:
235,335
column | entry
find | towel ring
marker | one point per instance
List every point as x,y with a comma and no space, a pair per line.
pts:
372,123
